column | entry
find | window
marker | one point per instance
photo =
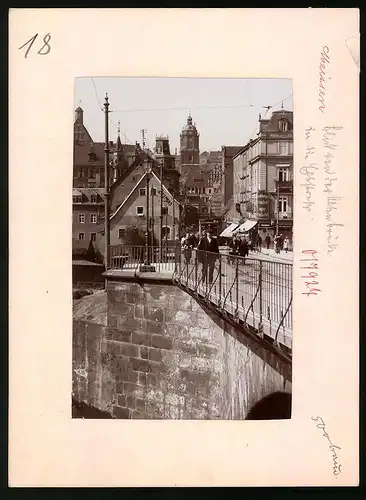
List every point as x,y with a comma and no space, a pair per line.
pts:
81,218
93,236
93,198
142,192
283,148
164,210
81,236
153,192
93,218
76,199
283,174
92,173
140,211
166,231
283,204
82,172
121,233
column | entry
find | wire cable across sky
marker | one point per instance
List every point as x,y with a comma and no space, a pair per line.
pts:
186,108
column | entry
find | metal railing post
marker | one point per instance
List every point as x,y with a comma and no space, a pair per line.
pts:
220,273
237,285
195,269
260,326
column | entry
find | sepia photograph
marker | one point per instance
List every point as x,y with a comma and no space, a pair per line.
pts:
182,248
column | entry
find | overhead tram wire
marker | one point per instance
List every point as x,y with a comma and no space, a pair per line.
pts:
268,108
184,108
96,93
109,118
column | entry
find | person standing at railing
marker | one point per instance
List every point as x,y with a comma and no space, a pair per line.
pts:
187,245
208,251
286,244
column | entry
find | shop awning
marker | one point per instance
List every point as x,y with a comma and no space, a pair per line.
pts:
246,226
228,232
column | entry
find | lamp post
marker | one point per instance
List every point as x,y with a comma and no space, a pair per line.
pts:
161,208
106,186
278,206
147,266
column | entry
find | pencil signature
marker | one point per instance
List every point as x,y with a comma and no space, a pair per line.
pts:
336,465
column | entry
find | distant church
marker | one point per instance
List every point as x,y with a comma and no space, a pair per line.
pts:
189,146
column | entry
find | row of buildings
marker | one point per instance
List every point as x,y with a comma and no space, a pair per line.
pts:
228,187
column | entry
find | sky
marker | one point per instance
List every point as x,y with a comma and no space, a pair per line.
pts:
225,110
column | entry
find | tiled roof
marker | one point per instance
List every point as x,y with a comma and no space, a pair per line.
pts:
194,173
87,193
81,152
276,117
232,150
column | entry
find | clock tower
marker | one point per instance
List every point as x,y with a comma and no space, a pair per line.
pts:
189,144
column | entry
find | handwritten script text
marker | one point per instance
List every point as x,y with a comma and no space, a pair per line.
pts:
337,468
310,264
324,61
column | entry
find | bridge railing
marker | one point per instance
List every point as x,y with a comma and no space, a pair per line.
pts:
133,256
255,291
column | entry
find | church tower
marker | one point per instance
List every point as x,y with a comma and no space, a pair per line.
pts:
170,173
189,144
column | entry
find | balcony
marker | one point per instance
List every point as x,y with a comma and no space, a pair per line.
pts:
284,186
285,215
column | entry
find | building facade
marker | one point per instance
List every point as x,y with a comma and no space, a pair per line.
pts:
263,176
163,212
228,152
88,161
87,214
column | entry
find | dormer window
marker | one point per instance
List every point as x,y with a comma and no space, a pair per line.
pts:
93,198
76,199
283,125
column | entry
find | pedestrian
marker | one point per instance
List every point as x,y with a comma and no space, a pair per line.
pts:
259,243
277,243
286,244
243,249
281,241
209,251
268,241
187,248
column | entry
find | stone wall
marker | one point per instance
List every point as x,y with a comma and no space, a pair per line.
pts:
160,354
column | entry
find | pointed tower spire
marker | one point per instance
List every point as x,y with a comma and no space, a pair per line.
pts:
118,141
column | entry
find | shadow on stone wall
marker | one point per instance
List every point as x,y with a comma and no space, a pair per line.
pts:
160,354
275,406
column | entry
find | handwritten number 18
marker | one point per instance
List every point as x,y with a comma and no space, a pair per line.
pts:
44,50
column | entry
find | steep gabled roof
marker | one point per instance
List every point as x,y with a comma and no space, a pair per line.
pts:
165,189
